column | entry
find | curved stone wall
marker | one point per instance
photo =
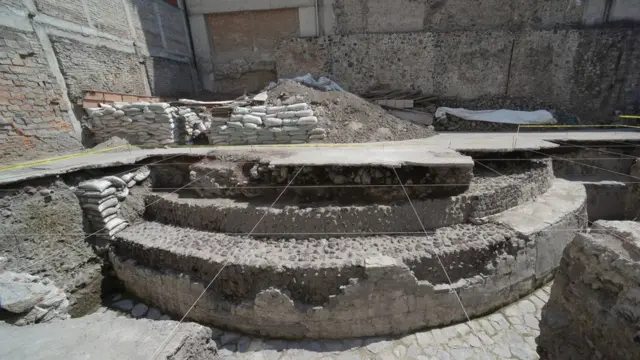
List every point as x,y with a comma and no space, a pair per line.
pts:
349,287
488,194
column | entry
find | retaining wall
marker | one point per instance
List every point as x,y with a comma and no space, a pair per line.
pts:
347,287
591,72
487,195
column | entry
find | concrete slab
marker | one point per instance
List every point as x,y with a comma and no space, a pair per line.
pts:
391,157
479,142
107,336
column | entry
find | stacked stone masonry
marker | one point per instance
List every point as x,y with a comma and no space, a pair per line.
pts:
361,284
488,194
594,308
291,124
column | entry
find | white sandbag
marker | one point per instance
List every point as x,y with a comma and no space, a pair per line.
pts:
241,111
98,185
260,115
317,137
251,119
224,120
131,183
234,124
158,106
142,174
271,122
287,115
304,113
318,131
250,126
127,177
101,207
113,223
308,121
276,109
258,109
118,228
297,107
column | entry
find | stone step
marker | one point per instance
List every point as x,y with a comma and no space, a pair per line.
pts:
350,286
488,194
342,175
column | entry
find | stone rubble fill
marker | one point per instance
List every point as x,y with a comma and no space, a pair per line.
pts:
291,124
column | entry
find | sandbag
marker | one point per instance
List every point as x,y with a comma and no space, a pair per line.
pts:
271,122
251,119
306,121
95,185
297,107
304,113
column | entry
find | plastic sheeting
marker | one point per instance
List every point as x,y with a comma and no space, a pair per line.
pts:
539,117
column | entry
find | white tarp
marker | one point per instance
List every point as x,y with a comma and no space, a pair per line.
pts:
499,116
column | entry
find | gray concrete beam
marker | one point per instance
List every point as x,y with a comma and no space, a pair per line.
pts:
197,7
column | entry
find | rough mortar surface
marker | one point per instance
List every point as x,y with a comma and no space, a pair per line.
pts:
594,306
323,284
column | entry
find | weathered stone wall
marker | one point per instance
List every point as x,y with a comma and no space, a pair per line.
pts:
589,71
34,118
378,16
53,50
347,287
176,79
594,306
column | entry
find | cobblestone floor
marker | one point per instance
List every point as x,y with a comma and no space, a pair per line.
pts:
507,334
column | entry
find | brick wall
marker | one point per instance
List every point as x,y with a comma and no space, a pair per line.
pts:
33,121
89,67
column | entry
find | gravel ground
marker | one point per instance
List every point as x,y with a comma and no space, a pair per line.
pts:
349,118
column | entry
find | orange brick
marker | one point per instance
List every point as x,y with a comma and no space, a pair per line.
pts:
112,97
90,104
94,95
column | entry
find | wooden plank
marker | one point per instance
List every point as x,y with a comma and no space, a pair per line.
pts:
94,95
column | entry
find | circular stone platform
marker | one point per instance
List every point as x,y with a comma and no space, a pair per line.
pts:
488,194
352,286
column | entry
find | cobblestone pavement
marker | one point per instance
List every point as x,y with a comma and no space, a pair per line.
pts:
507,334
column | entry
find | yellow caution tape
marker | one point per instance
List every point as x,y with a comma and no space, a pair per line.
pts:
315,145
50,160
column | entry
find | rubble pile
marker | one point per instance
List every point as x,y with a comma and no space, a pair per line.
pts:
285,124
137,122
29,299
345,117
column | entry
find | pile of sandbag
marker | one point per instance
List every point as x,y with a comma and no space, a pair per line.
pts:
100,202
140,123
191,122
289,124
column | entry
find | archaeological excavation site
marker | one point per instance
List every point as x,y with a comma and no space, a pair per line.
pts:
326,179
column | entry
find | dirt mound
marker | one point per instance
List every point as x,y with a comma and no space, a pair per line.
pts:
347,117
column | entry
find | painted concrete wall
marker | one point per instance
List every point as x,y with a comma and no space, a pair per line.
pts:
59,48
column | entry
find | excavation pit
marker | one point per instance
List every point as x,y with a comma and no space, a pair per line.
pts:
339,263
